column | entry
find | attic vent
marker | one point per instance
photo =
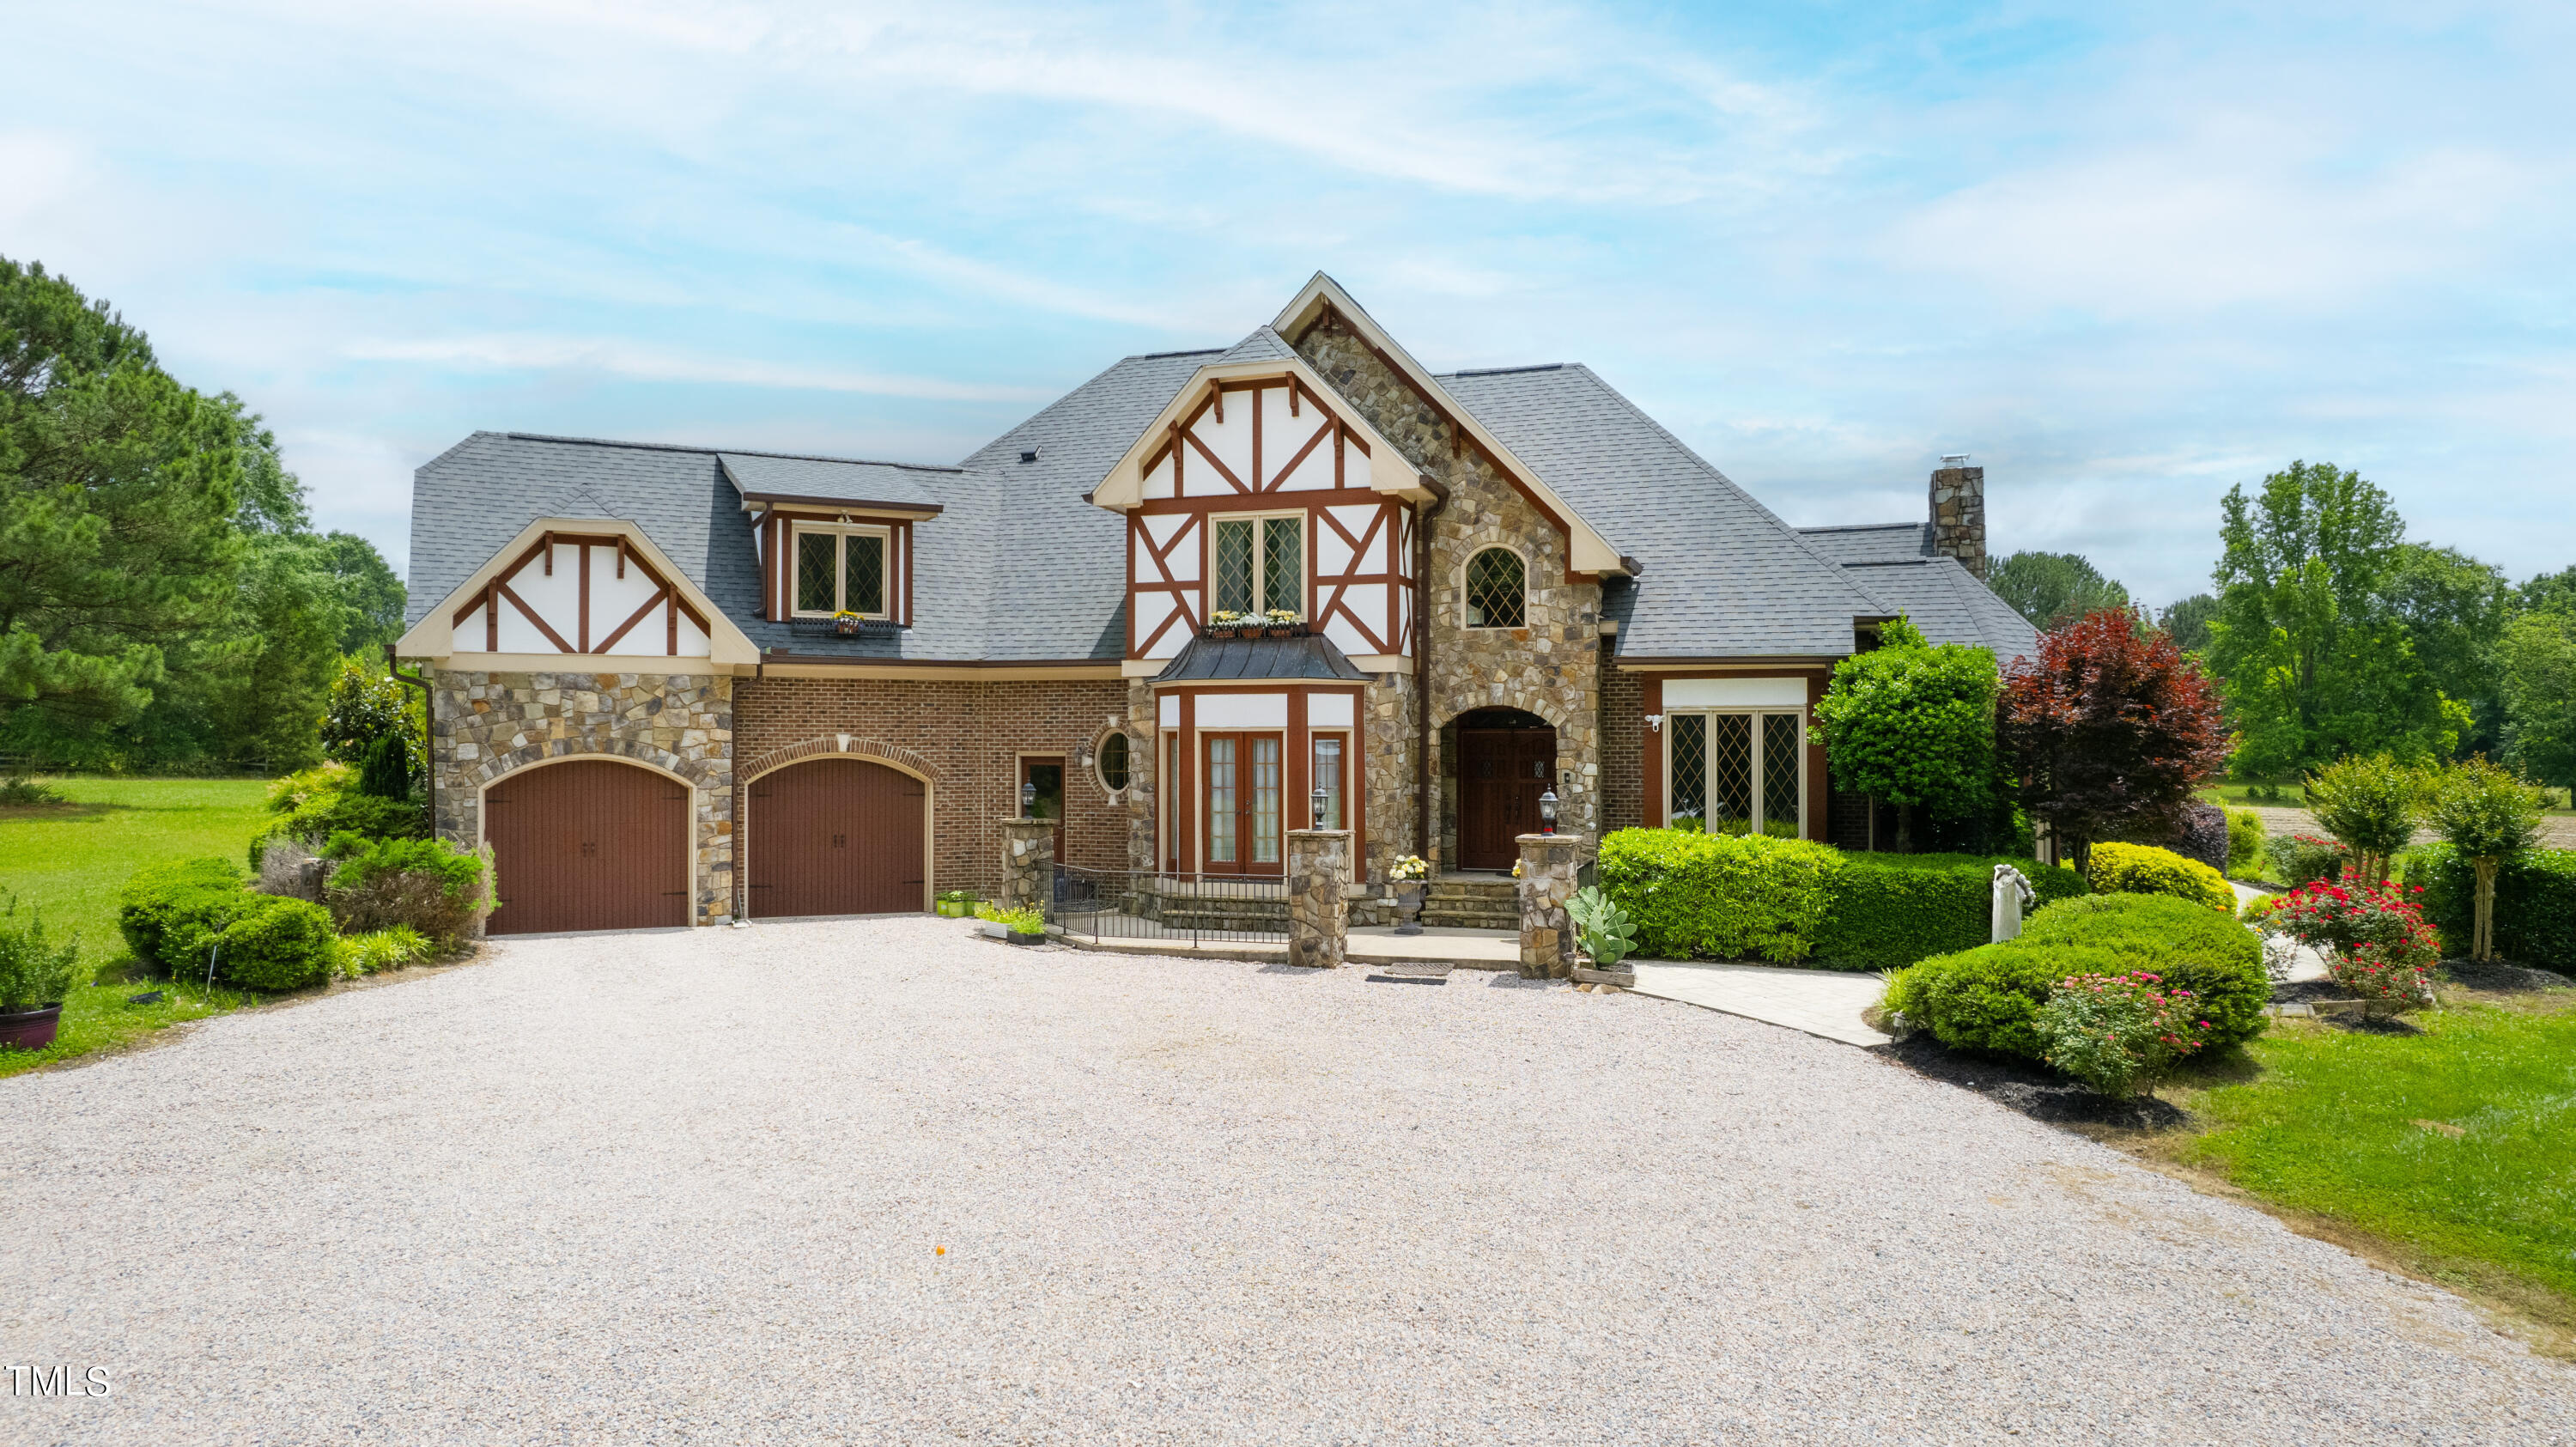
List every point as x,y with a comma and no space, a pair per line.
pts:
1029,456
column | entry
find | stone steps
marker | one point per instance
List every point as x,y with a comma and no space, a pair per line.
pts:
1454,903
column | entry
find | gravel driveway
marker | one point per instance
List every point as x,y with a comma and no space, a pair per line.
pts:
693,1187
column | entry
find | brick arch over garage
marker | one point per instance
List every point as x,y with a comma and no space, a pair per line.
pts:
850,746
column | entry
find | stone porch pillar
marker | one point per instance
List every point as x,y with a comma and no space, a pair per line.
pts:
1028,862
1548,864
1319,861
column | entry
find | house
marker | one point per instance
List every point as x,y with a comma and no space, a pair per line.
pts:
679,684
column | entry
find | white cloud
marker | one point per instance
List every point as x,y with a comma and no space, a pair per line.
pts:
662,364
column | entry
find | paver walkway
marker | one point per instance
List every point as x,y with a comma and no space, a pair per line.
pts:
1821,1002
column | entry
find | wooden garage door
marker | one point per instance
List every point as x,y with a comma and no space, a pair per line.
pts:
588,845
835,836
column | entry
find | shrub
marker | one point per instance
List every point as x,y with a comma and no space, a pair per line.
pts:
1989,998
2367,802
2535,903
427,885
385,773
326,815
294,791
171,913
1717,895
2375,972
1022,921
278,944
34,971
2203,837
2118,1033
2145,869
384,949
1607,933
2486,815
17,791
2304,859
1886,911
2244,843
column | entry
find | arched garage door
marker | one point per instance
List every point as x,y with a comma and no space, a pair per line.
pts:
588,844
836,836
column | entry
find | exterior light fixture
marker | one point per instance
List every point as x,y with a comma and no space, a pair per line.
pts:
1547,812
1654,723
1319,798
1028,798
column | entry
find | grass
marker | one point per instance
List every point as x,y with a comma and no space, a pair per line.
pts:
2237,794
2450,1155
69,860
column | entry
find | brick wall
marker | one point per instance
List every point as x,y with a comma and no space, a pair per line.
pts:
967,736
1623,744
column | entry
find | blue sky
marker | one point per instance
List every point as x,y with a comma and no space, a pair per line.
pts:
2123,256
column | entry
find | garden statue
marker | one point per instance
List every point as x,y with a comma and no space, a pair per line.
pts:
2012,896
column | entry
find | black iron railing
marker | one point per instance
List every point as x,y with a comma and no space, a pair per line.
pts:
1135,904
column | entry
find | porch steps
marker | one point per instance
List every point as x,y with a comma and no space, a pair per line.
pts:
1470,902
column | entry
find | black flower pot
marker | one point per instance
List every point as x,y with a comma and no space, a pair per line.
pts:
30,1029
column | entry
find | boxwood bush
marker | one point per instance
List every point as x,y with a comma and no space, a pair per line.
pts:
2145,869
1723,896
1797,902
1988,998
2535,903
2244,844
171,913
278,944
1889,910
427,885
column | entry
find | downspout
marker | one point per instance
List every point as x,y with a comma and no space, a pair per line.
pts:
428,729
1422,668
741,831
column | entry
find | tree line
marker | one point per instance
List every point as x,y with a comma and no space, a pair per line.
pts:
2330,634
165,603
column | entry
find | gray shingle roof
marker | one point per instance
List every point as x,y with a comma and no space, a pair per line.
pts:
1264,345
1724,576
889,483
1872,542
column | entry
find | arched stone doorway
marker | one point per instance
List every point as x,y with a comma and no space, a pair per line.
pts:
1506,758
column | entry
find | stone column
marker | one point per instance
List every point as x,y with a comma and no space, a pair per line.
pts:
1548,864
1028,862
1319,860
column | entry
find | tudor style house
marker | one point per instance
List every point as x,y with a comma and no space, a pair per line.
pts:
679,684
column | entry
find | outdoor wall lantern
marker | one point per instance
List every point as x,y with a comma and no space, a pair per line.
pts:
1547,812
1028,798
1654,723
1319,798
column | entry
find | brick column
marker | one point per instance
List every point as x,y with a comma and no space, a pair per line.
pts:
1548,864
1319,861
1028,862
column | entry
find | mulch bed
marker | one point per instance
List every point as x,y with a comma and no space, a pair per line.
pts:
2029,1087
2502,976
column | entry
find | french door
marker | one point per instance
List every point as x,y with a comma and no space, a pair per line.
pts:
1737,773
1240,780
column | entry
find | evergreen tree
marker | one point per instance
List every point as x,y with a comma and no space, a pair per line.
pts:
2054,588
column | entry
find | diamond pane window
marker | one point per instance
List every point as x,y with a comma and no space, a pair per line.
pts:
815,555
1780,775
1496,588
1690,768
1283,564
863,573
1730,773
1235,542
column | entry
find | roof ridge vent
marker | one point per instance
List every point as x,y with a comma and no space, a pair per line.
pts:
1507,371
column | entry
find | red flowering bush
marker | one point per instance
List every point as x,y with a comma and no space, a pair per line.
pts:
2119,1033
2374,936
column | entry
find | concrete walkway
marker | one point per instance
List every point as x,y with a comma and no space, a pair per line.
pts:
1820,1002
2305,962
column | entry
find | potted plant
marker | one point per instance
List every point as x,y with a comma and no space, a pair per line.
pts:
34,977
847,623
1408,875
1226,623
1604,934
955,903
1280,622
1023,926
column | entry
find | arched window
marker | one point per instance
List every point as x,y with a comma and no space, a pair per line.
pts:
1112,762
1497,589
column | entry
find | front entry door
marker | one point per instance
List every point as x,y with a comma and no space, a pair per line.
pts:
1501,773
1047,777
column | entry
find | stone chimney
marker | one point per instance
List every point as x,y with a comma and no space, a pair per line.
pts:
1959,513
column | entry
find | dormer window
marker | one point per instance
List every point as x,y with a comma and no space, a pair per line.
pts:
1261,564
840,568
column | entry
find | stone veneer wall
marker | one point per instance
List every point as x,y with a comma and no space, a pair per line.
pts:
489,724
1959,516
1392,780
966,738
1552,667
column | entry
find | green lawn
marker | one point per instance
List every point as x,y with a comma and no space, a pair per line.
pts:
70,862
2455,1148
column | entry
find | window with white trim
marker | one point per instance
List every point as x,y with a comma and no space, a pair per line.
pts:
1260,564
840,569
1736,771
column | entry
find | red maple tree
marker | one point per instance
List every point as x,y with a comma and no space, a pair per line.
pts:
2109,730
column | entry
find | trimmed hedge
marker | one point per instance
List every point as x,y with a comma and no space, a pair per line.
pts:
1721,895
2145,869
1886,911
278,944
1792,901
1988,998
2535,903
171,913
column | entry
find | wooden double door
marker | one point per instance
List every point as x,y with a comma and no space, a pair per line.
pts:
837,836
1501,773
588,844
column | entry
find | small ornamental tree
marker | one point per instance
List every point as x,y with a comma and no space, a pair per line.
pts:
2368,805
1913,724
2108,731
365,706
2486,814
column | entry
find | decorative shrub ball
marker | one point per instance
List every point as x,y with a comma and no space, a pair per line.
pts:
170,913
2145,869
279,944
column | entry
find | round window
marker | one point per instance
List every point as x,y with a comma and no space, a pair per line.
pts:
1113,762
